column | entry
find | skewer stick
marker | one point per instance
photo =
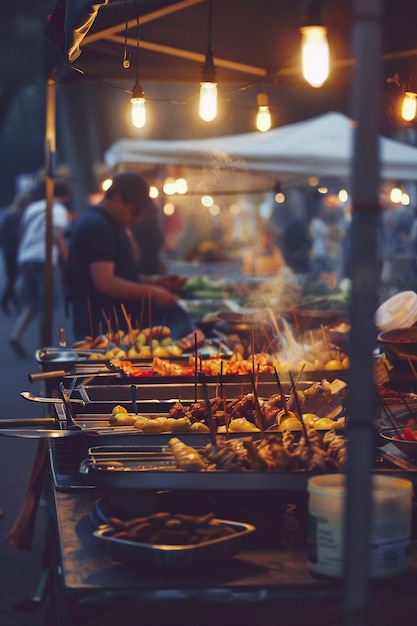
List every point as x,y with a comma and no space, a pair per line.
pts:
209,415
281,391
226,415
142,313
90,318
116,320
195,367
252,347
401,395
298,412
108,324
390,416
412,368
325,339
150,315
259,412
128,322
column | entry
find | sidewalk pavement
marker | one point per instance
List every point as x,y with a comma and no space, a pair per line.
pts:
19,571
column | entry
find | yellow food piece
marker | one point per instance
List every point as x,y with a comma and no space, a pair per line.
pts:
181,425
199,427
168,423
140,339
307,365
186,457
310,418
284,415
122,419
291,423
160,352
152,426
140,421
242,425
174,350
325,423
145,352
119,409
132,353
333,364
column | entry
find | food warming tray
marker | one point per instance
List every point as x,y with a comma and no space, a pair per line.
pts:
154,469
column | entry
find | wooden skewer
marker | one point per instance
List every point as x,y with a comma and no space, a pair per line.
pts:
384,406
299,413
90,318
209,415
226,415
400,394
283,398
259,412
150,315
195,367
128,322
325,339
412,368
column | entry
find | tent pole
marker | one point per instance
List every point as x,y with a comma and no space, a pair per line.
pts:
365,281
50,155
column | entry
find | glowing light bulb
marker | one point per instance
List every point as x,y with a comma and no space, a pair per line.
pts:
181,186
263,116
208,101
138,107
396,195
315,54
409,106
169,186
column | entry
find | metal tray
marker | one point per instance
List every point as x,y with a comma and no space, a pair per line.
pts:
173,558
101,465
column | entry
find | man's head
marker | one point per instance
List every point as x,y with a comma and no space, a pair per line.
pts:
128,195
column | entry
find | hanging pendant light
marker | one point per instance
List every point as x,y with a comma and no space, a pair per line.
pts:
409,106
208,84
137,100
315,56
263,116
138,106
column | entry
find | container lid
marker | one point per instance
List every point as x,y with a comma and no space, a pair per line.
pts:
382,486
399,311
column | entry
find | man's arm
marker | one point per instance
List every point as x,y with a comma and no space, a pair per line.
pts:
121,289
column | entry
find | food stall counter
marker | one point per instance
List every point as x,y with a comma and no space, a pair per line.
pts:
256,585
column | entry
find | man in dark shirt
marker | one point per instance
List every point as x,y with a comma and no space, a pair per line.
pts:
101,273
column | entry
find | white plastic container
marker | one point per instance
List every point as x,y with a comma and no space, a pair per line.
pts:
391,527
399,311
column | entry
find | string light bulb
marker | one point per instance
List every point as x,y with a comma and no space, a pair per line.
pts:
315,54
208,84
138,106
409,106
263,116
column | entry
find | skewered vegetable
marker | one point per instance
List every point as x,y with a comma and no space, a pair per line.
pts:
186,457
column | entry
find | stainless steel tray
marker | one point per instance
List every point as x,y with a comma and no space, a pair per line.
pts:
101,465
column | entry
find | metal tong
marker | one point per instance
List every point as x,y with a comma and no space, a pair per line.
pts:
69,413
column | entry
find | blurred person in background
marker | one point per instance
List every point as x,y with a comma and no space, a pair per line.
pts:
265,258
31,258
9,241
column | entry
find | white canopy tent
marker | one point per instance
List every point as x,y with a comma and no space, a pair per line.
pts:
321,146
